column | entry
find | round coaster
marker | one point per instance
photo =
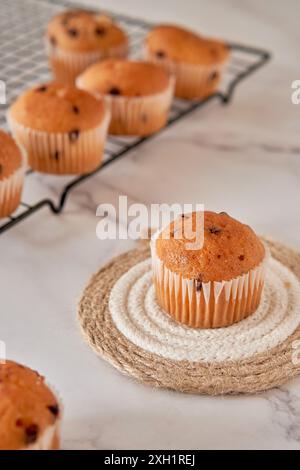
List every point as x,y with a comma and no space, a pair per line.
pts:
121,320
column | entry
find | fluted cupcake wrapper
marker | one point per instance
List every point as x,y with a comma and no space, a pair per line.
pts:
62,153
11,189
193,81
207,304
66,66
138,115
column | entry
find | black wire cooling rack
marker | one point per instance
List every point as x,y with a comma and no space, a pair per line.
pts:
23,64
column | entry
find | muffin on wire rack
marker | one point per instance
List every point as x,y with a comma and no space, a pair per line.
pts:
208,271
139,94
197,62
63,129
75,39
30,411
12,169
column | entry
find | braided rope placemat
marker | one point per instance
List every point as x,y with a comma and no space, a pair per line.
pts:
158,352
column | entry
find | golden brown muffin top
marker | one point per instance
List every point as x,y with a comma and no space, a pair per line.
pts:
54,107
230,248
27,406
84,31
124,78
10,156
181,45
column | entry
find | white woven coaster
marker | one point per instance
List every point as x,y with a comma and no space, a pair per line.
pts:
138,317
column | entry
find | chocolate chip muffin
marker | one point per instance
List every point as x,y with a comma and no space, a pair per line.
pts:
29,410
75,39
139,94
208,269
62,128
12,169
196,62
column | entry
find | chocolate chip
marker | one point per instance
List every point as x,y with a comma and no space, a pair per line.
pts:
223,213
114,91
160,54
73,32
31,433
42,89
199,284
19,423
241,257
56,155
215,230
54,409
1,169
73,135
100,31
53,41
218,256
76,109
213,76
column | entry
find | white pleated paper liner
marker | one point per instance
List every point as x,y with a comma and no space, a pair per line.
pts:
137,115
66,65
62,153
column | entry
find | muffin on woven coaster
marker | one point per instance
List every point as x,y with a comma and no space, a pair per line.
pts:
12,169
122,321
197,62
139,94
212,282
29,410
76,39
63,129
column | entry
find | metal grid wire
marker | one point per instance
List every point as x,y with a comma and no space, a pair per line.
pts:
24,64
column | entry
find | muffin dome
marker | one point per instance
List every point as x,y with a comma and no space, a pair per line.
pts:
139,94
209,285
54,107
12,170
124,78
28,409
196,62
10,156
84,31
62,128
182,45
230,248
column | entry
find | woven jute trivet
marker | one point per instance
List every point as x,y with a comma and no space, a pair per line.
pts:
259,372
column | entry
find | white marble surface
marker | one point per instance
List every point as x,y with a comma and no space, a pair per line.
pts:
244,159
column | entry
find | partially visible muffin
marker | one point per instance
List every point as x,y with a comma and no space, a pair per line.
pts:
62,128
77,38
12,168
197,62
30,412
139,94
209,270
